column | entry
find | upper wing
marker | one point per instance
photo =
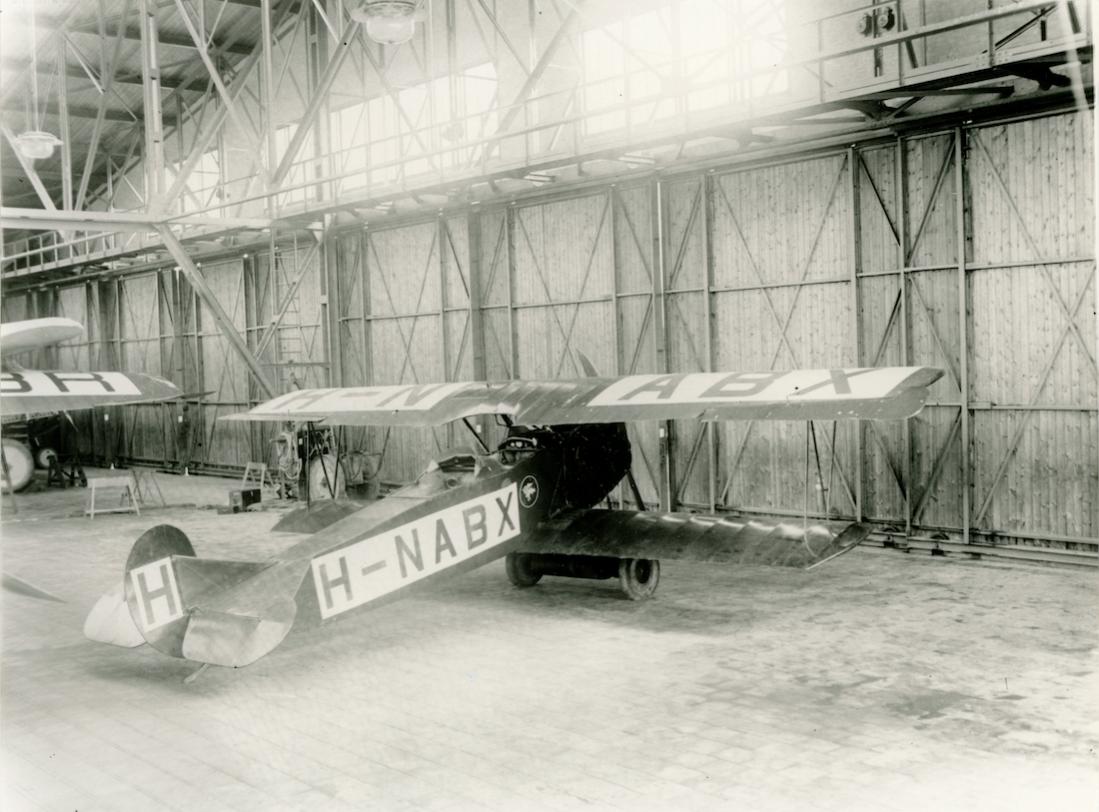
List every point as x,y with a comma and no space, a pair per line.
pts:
31,392
21,336
880,393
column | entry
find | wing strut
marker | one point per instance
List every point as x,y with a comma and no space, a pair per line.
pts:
476,436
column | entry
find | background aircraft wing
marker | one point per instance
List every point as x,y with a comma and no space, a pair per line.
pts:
21,336
692,537
880,393
31,392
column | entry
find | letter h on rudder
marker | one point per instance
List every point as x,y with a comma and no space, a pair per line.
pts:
149,595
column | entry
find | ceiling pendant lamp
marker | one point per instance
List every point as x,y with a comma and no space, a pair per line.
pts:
389,22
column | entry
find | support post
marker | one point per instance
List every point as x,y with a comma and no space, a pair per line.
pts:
963,336
901,169
153,122
660,340
707,182
63,113
854,161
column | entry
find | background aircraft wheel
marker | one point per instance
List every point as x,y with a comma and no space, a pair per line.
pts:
520,569
43,457
639,577
20,466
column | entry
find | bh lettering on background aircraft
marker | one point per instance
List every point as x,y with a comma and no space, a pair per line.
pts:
533,499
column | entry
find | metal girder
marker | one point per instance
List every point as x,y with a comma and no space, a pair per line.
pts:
206,135
534,77
227,100
153,126
133,32
97,130
78,111
43,220
75,72
66,137
209,298
351,34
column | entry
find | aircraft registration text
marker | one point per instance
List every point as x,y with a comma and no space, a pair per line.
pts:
378,565
60,384
719,387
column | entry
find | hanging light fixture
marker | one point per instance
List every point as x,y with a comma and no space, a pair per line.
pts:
389,22
35,144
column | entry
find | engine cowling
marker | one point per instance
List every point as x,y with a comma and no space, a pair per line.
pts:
594,458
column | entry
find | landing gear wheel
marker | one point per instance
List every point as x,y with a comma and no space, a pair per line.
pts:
20,466
520,569
639,577
43,457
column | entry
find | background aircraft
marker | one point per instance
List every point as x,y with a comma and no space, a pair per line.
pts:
25,392
532,499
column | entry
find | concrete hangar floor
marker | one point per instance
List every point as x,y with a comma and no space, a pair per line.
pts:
880,682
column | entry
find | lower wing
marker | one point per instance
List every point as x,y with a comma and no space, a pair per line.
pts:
691,537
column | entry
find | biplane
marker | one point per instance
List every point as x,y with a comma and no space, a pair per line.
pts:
25,392
532,499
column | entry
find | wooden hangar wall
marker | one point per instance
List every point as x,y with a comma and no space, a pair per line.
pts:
792,263
858,256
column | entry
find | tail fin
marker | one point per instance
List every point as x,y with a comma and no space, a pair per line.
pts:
218,612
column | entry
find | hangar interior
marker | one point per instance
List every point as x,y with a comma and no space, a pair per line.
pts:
247,197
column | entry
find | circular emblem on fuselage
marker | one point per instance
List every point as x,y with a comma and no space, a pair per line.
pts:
528,491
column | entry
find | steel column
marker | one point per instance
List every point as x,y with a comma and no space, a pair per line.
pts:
153,126
901,179
963,326
660,337
854,161
66,136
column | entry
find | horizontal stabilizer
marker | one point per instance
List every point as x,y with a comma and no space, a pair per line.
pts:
232,640
317,516
691,537
218,612
878,393
110,621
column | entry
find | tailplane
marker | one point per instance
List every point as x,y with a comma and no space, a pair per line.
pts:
227,613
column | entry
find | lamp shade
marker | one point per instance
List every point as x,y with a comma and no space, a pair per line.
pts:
36,145
389,22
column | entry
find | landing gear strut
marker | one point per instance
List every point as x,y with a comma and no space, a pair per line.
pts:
638,576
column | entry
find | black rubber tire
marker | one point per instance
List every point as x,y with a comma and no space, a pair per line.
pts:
20,466
520,570
639,577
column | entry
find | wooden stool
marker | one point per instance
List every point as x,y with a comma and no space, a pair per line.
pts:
120,482
255,473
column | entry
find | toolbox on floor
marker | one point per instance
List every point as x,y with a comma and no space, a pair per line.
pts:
241,498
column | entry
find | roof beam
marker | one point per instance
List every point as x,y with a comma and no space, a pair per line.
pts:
78,111
54,219
133,32
76,72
